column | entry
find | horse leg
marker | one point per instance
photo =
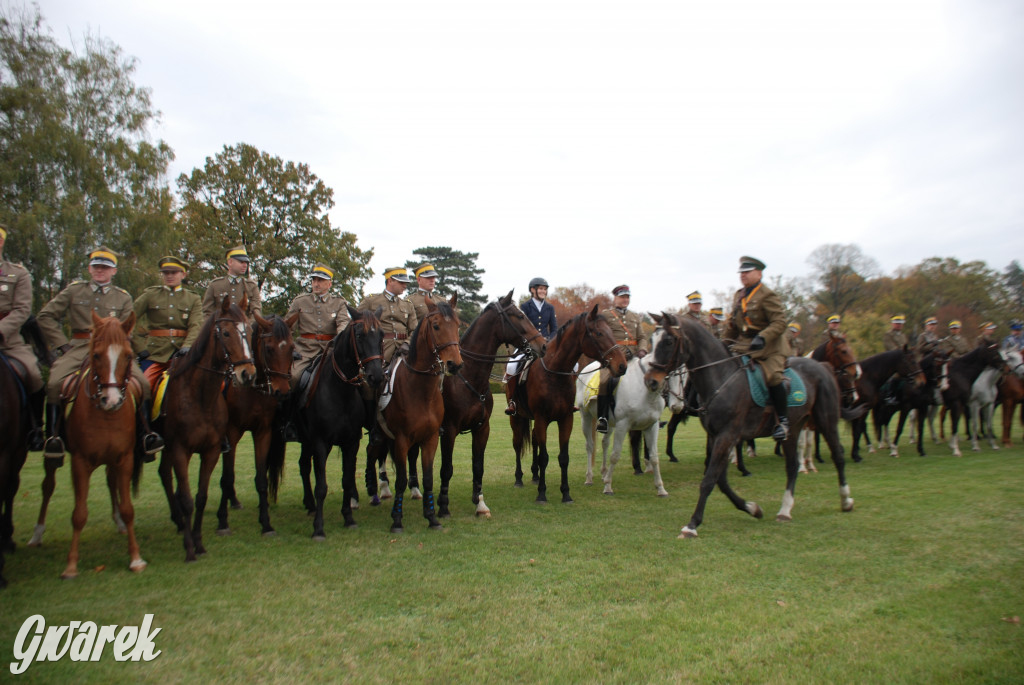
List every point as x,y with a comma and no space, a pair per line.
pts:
792,471
589,437
49,482
428,449
651,438
739,459
540,448
856,426
399,452
954,425
716,464
261,443
635,445
835,448
227,483
305,468
517,447
942,423
447,448
349,459
320,451
919,419
80,472
619,434
480,437
673,422
1008,407
124,479
564,433
111,474
989,413
207,462
414,477
167,472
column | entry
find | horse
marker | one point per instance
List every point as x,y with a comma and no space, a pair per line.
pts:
1011,393
637,408
916,400
545,394
963,372
101,430
254,408
875,371
838,353
335,413
729,413
413,407
467,397
981,406
195,413
14,426
675,383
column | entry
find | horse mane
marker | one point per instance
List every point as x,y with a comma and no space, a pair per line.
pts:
202,342
108,332
445,310
278,328
568,323
871,364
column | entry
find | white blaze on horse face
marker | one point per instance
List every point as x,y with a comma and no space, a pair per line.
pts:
859,372
245,340
111,396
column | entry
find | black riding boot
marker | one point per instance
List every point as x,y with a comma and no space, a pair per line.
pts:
603,405
286,415
781,403
147,439
35,413
53,450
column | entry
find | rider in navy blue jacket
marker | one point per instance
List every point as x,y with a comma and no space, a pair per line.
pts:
543,318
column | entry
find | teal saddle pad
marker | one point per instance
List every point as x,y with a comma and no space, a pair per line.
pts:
759,389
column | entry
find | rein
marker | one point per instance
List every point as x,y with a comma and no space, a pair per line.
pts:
359,378
438,364
228,362
587,333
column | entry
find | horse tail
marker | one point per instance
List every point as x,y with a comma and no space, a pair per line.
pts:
526,448
853,413
275,463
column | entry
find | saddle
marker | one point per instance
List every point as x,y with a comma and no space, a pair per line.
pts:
796,396
386,394
20,374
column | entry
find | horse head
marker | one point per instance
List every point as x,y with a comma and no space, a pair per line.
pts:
666,351
1015,362
273,353
231,331
839,354
516,329
439,333
366,339
909,368
110,360
599,343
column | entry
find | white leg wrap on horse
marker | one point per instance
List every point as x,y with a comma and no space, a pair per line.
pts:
37,535
687,532
481,508
786,511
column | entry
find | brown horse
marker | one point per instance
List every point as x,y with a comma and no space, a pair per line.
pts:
1011,393
547,393
413,414
196,413
14,426
253,408
101,429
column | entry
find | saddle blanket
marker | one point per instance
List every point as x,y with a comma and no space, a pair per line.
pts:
759,389
593,381
158,396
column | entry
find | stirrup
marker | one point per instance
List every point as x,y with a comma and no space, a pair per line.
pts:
602,424
225,445
511,408
53,452
151,444
781,431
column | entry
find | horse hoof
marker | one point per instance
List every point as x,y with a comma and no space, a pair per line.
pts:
415,494
351,524
542,500
784,518
224,532
375,501
319,538
436,526
858,459
236,505
662,492
686,533
535,480
589,481
397,529
848,505
444,514
138,566
517,484
69,575
567,500
755,510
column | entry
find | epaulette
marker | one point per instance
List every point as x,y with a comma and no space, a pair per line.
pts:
120,289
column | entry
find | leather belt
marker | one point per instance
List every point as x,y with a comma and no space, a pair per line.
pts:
168,332
316,336
81,335
396,336
629,343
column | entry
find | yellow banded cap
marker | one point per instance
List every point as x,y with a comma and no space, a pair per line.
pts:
171,263
716,314
695,297
795,327
103,256
3,232
986,326
930,320
323,271
954,324
398,273
833,319
238,253
898,318
425,270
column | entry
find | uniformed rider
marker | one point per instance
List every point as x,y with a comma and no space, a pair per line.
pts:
627,331
167,320
954,344
398,316
426,279
895,338
234,285
322,315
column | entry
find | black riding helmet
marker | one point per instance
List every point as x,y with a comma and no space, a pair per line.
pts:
537,282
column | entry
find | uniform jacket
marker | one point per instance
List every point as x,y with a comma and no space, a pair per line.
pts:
324,316
926,342
764,316
77,302
894,340
419,298
15,301
955,346
626,329
543,319
226,286
158,309
397,319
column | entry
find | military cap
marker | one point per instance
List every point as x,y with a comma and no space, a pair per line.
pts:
694,297
954,324
716,314
170,263
986,326
1016,325
833,319
795,327
930,320
238,253
425,270
3,232
398,273
620,291
751,264
103,256
322,271
898,318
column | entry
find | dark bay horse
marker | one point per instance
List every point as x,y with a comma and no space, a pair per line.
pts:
875,371
467,394
963,371
253,408
413,414
335,413
918,399
839,355
1011,394
730,415
195,413
101,430
14,427
548,392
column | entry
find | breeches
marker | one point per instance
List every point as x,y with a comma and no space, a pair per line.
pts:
22,353
70,362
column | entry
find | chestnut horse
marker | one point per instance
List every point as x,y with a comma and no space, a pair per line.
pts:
335,414
253,408
547,394
1011,393
412,407
101,430
729,413
14,426
195,413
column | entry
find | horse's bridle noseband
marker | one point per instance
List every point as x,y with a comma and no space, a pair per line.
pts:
435,349
229,363
360,377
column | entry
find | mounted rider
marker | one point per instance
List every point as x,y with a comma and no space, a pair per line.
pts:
832,327
954,345
322,316
894,339
928,340
757,328
234,285
541,314
1014,341
694,302
716,322
796,343
627,331
426,279
398,317
15,310
77,303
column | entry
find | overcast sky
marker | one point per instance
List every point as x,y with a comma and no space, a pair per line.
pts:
648,143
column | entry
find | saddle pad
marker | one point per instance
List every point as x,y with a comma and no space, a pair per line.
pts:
593,382
158,396
759,389
389,384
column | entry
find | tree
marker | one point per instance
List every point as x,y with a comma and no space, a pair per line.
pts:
569,301
842,272
278,210
1013,282
77,165
458,274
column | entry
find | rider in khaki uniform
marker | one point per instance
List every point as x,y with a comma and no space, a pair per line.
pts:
426,278
77,302
929,339
796,343
15,309
716,322
757,327
954,344
234,285
694,302
832,327
895,338
321,317
987,334
398,316
167,319
627,332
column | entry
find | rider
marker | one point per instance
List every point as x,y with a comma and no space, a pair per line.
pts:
426,279
627,332
929,339
234,285
715,321
832,327
15,309
986,334
954,344
694,302
76,303
398,316
796,343
321,317
895,338
541,314
167,320
757,327
1014,341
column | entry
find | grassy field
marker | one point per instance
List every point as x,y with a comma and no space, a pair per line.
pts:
920,584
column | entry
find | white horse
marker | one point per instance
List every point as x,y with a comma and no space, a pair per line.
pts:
982,404
636,408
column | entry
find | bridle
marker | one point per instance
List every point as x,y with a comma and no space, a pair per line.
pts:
263,366
437,367
229,363
587,334
360,377
524,342
94,378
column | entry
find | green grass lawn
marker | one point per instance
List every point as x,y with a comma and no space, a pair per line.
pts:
919,584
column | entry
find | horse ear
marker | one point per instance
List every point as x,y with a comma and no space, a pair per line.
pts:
379,312
593,313
243,304
454,302
507,300
128,324
353,313
656,317
261,322
290,321
96,319
225,305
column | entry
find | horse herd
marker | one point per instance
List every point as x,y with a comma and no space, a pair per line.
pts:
236,378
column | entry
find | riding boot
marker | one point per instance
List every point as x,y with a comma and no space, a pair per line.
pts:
781,403
374,437
510,394
151,442
603,405
53,449
35,413
286,415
